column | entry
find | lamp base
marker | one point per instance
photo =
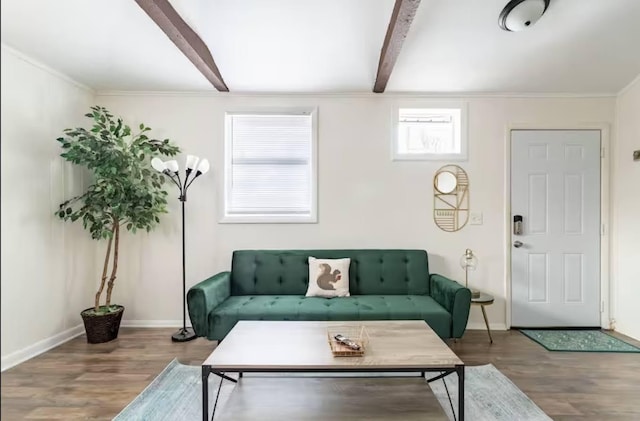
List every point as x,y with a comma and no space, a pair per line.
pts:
184,335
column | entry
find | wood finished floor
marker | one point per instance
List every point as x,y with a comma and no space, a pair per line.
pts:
81,381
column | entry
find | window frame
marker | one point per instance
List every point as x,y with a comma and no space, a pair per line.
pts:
463,155
312,217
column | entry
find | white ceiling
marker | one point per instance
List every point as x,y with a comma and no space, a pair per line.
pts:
579,46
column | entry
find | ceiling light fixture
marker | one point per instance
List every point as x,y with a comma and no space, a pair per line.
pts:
521,14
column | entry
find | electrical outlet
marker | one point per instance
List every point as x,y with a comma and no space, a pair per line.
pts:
475,218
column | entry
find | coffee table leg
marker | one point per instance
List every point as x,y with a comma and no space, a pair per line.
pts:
460,371
206,370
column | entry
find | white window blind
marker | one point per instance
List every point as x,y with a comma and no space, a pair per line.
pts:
270,167
430,133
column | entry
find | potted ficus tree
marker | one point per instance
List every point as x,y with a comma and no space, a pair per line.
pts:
125,193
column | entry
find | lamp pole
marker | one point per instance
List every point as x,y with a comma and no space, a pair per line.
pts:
171,170
184,334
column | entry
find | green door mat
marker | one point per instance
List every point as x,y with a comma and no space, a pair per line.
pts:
579,341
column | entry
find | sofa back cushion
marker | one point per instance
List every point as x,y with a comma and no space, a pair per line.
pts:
372,272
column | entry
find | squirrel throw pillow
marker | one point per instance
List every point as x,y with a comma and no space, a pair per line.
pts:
328,277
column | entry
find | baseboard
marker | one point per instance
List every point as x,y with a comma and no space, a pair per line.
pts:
482,326
40,347
44,345
633,333
153,323
178,323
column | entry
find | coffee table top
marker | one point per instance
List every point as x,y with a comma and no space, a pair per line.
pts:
402,345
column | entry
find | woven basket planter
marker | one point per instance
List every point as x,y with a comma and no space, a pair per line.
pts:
101,328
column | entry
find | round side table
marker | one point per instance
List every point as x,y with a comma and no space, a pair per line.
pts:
484,300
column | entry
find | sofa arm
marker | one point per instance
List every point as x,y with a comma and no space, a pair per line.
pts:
455,298
204,297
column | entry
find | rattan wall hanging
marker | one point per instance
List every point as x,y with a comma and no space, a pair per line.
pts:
451,198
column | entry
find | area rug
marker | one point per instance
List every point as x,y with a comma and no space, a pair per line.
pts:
489,395
578,340
177,392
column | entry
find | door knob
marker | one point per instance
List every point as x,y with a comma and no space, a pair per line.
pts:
517,244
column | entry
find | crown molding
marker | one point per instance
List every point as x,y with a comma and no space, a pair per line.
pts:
40,65
630,85
435,95
343,94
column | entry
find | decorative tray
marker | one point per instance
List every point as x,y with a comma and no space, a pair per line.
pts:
357,334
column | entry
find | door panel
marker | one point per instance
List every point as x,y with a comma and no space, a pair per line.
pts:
555,187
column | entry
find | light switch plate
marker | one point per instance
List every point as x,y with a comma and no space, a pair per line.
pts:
475,218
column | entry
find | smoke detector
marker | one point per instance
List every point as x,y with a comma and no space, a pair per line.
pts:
521,14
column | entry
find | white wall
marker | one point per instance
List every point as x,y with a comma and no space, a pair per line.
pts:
626,212
48,270
365,199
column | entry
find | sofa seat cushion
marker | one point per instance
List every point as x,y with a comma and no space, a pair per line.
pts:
357,307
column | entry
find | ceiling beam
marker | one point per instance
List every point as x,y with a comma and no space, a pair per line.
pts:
185,38
403,13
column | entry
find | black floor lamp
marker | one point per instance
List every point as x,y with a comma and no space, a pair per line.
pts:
170,169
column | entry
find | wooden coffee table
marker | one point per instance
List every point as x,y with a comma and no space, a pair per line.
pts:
288,346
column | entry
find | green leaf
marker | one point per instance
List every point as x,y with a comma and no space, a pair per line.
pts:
124,186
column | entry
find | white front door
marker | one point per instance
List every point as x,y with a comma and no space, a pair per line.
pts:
555,259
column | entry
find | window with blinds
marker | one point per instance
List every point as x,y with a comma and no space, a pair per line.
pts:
430,133
270,171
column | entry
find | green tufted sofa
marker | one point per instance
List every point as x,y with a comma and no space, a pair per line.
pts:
384,285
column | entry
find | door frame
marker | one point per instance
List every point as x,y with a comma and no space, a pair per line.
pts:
606,297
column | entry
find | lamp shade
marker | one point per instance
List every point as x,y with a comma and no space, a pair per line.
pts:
172,165
203,166
191,162
469,260
158,165
521,14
